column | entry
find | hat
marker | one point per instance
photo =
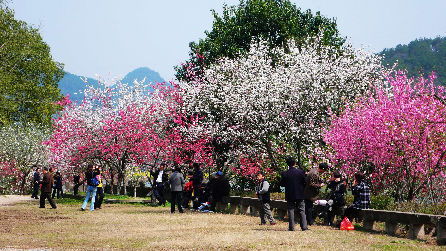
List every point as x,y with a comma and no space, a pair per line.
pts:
219,173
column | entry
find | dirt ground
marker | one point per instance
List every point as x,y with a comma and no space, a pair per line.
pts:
24,225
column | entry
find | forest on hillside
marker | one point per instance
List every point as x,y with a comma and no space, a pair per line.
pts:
420,56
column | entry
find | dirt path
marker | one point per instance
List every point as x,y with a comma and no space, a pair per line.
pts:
8,200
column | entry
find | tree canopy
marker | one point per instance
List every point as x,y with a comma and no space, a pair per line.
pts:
275,21
28,74
421,56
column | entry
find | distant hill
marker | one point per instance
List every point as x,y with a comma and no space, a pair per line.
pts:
74,85
141,73
421,56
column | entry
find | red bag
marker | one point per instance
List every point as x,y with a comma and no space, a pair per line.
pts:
346,224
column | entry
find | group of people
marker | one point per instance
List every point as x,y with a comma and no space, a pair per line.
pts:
56,186
203,195
46,186
302,193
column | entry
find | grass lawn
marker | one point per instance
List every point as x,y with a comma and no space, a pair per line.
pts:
124,226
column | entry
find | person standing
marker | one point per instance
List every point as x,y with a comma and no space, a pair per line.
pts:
219,189
77,184
361,196
92,183
294,182
159,181
176,181
313,183
47,184
197,181
262,191
36,183
57,188
100,191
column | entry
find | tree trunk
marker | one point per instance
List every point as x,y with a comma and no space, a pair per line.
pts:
134,191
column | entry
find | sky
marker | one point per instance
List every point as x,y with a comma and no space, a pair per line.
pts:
110,38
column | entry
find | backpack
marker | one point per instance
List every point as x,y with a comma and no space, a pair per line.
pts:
94,181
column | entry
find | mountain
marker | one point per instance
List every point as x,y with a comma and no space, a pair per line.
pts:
421,56
141,73
74,85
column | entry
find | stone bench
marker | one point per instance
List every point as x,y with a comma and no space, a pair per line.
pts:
415,221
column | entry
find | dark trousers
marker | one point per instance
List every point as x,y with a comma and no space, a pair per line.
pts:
159,193
99,197
351,212
58,191
309,212
44,196
76,188
35,191
335,210
265,213
176,199
300,205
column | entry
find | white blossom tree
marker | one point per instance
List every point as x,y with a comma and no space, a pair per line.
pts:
20,149
271,99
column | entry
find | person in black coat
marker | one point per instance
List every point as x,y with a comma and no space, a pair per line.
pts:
160,179
57,188
294,182
36,183
219,188
197,181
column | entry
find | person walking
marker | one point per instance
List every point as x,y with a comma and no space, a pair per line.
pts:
100,191
57,188
176,182
262,191
313,183
36,183
47,184
294,182
92,183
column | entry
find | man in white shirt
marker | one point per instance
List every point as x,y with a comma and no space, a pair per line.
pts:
160,178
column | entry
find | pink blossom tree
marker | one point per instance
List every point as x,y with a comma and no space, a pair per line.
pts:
397,135
122,125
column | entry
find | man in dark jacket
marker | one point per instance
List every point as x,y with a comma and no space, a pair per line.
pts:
219,188
197,181
77,184
337,193
47,184
294,182
160,178
313,184
176,181
57,188
36,183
